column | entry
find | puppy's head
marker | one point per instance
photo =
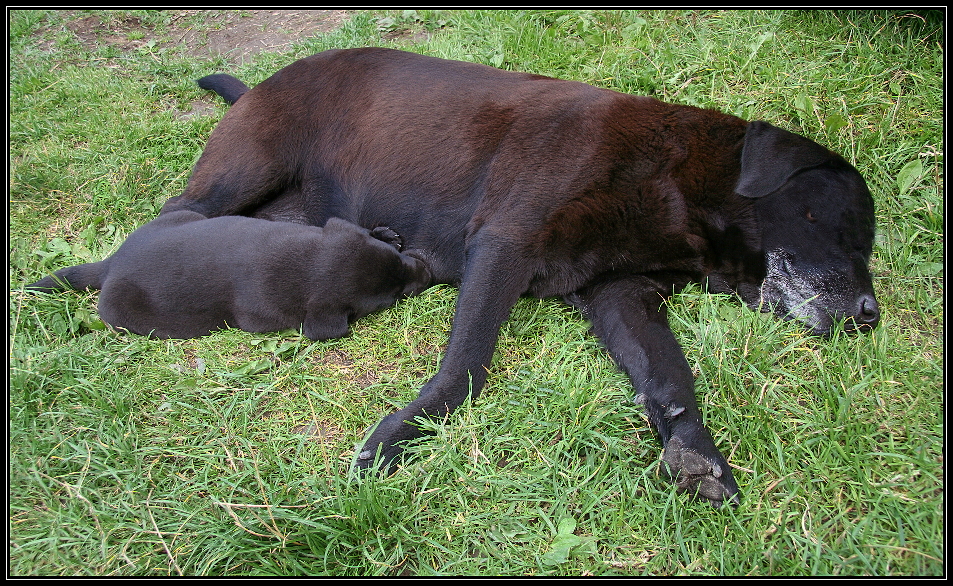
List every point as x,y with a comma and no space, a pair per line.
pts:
382,275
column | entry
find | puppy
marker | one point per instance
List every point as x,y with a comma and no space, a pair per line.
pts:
184,275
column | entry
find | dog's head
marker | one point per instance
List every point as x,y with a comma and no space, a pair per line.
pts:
817,228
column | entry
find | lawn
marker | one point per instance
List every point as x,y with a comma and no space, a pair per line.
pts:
230,454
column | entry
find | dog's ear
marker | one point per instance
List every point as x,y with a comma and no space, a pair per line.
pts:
770,157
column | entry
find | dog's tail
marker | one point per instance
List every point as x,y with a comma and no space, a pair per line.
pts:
84,276
229,87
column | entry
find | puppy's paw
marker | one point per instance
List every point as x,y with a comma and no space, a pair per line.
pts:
385,234
702,476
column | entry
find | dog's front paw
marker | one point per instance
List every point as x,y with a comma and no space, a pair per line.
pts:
385,234
382,447
385,459
703,476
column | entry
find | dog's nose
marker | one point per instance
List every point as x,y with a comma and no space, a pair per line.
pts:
867,315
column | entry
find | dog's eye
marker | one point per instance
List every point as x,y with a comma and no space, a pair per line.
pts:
810,217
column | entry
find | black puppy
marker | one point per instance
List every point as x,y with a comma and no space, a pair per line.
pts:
513,184
184,275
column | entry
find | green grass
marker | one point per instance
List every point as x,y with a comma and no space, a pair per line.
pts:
230,454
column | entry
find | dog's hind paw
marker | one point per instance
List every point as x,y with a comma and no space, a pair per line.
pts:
385,234
699,475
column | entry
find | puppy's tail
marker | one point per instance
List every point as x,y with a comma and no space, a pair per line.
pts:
84,276
229,87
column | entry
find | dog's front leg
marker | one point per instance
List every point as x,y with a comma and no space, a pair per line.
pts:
492,282
629,316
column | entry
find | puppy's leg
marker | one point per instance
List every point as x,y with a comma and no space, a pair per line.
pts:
629,316
388,236
492,283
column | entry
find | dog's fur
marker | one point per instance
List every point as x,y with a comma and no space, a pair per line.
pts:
511,184
183,275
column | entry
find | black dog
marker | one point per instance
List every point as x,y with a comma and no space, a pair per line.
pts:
511,184
183,275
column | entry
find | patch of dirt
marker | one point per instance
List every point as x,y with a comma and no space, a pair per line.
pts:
343,364
320,431
237,35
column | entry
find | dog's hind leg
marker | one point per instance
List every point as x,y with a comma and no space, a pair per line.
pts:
231,177
629,316
243,165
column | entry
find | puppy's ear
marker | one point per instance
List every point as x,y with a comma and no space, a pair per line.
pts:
325,324
337,224
771,156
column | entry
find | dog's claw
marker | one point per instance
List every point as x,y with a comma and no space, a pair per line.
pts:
698,474
385,234
364,463
674,410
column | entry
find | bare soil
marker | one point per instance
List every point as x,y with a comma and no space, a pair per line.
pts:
234,34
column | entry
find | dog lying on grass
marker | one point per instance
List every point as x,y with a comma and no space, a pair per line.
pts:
512,184
184,275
